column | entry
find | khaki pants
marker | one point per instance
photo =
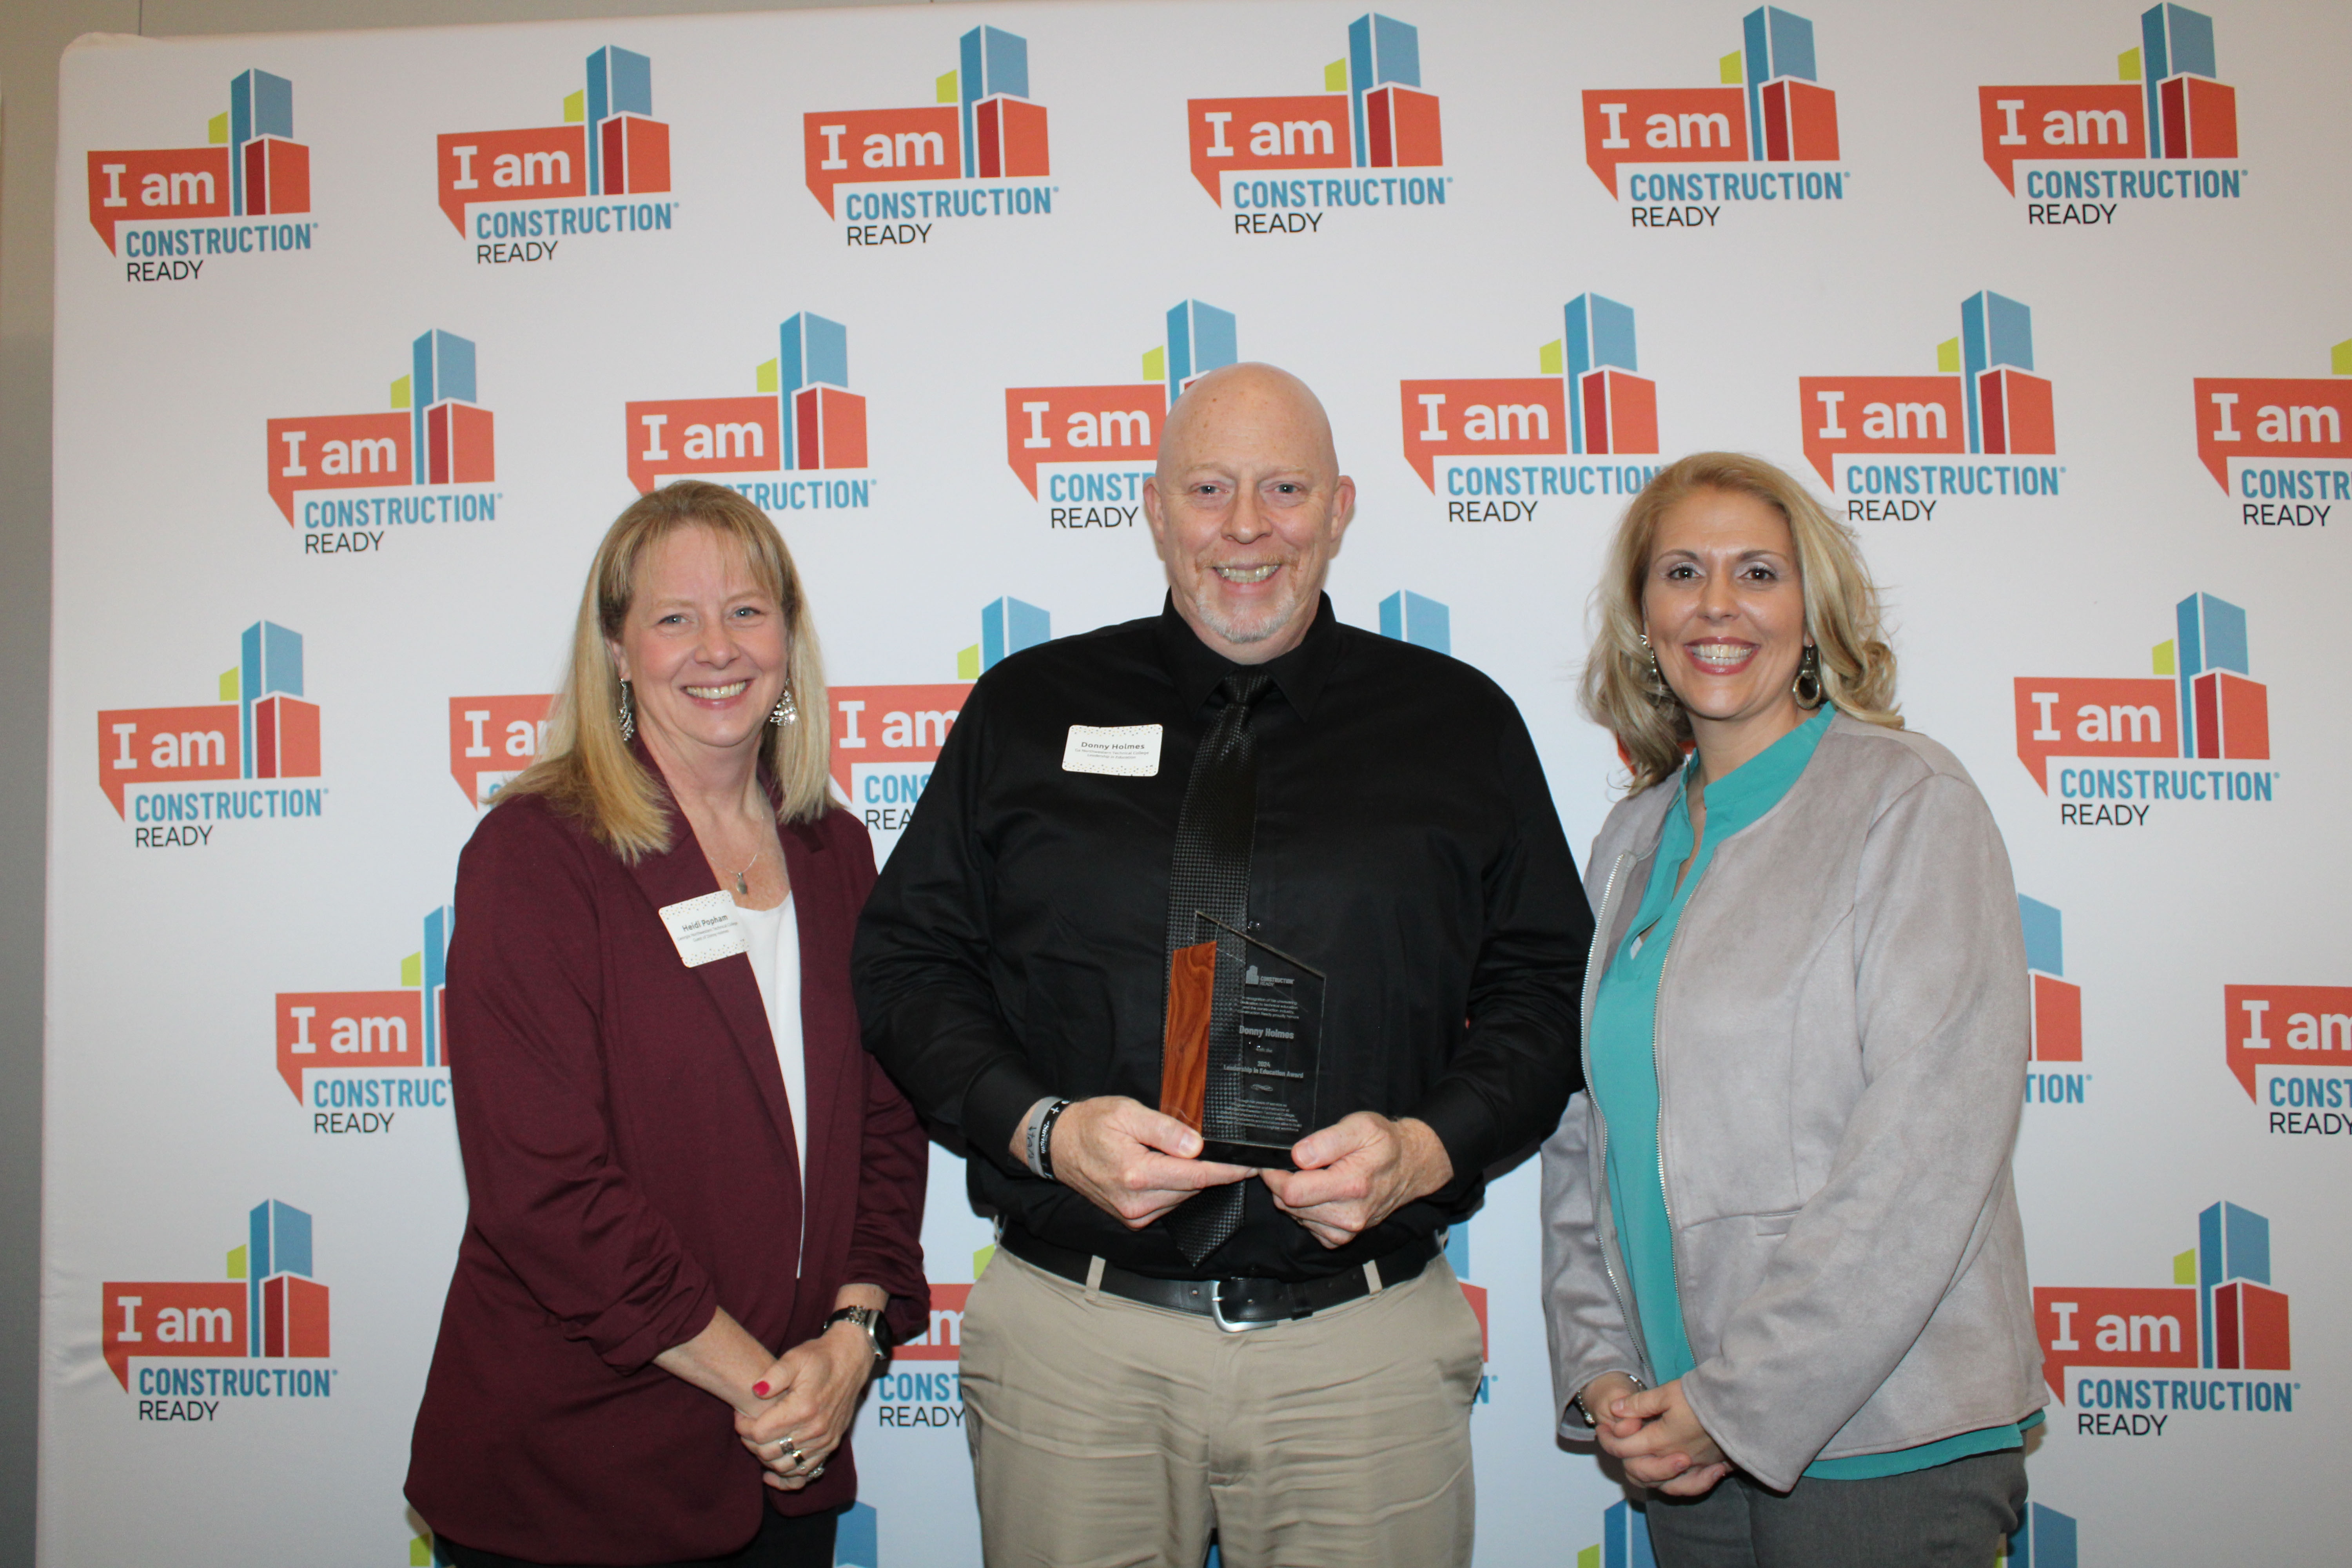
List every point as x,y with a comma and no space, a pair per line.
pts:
1110,1434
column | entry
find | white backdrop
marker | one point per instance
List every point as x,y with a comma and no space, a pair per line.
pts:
244,903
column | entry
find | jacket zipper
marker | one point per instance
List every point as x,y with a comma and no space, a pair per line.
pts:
1665,1200
1584,1043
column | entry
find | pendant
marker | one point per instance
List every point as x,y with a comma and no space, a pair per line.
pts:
739,889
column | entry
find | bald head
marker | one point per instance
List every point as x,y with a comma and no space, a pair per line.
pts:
1247,505
1248,395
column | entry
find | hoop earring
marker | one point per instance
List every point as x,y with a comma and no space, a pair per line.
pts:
786,712
1807,686
628,715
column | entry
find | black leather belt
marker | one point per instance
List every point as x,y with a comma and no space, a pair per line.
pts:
1234,1304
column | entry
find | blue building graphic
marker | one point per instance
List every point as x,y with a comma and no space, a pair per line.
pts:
2045,1539
815,351
259,104
1779,49
1201,338
1422,622
620,82
269,660
1381,50
856,1539
995,64
278,1242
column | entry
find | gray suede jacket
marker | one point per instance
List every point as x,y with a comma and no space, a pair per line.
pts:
1842,1031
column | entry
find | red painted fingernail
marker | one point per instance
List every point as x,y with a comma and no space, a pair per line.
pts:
760,1389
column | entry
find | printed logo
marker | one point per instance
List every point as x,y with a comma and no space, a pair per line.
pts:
2044,1538
260,728
1986,401
1100,425
2219,1314
2282,420
1624,1539
2167,83
1769,108
492,738
1424,623
857,1538
444,438
801,417
885,738
2057,1008
1372,114
2298,1031
929,1398
2200,704
266,1307
1588,401
608,145
981,127
1457,1256
251,166
360,1036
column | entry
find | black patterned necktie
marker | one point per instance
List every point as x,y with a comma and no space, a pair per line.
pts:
1209,877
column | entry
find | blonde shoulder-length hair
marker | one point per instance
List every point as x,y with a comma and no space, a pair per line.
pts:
1842,613
586,769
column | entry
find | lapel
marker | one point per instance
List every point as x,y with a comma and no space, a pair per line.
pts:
822,1067
680,874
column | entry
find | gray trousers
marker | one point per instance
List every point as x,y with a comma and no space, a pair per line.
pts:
1954,1515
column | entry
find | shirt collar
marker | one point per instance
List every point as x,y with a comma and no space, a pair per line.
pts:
1756,786
1299,675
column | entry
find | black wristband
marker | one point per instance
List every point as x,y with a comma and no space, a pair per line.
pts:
1045,1138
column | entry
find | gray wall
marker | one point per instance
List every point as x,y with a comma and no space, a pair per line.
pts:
32,33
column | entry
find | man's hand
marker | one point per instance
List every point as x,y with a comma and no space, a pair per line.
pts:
1667,1451
1356,1173
1128,1160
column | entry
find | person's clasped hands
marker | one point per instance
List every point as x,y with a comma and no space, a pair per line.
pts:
1655,1434
797,1415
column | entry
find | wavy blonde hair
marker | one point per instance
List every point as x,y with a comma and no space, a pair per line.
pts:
1842,615
586,769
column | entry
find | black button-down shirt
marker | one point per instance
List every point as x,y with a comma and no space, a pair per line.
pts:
1406,846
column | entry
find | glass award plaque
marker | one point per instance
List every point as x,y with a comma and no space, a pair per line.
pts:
1244,1039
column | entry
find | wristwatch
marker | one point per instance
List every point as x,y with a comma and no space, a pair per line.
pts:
867,1318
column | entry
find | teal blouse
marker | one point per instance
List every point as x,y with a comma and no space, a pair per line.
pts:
1625,1081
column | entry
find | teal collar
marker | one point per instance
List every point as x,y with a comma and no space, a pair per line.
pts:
1756,786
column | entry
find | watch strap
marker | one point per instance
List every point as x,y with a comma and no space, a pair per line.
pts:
866,1318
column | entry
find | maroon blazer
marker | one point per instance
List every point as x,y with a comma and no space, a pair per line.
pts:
630,1166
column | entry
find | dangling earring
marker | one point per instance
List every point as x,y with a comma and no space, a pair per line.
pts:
1658,687
628,716
1807,686
787,712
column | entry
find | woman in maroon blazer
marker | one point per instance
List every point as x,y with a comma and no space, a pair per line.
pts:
680,1160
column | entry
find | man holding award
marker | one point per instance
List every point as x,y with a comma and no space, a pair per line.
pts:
1237,943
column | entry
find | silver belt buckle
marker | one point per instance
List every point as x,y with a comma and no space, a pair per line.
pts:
1217,1312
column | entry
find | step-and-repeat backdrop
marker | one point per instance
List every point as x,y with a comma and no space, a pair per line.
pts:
361,338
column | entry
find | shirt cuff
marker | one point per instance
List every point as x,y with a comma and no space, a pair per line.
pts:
1460,1120
992,1109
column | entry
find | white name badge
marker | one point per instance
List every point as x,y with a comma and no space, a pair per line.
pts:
704,929
1128,751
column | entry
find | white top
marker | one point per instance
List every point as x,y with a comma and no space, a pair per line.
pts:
772,939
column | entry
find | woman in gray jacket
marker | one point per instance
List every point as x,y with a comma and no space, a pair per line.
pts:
1784,1277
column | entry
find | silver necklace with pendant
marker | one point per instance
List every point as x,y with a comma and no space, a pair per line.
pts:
742,890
